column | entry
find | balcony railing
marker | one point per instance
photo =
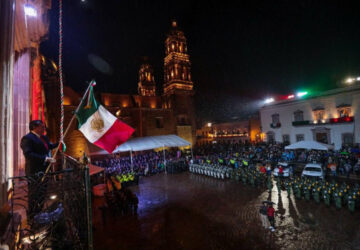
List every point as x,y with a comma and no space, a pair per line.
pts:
57,207
275,125
300,123
342,119
331,121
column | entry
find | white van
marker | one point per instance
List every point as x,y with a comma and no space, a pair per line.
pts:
313,170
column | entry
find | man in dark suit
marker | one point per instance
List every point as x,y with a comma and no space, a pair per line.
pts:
36,148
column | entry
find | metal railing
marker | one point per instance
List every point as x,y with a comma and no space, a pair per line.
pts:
56,207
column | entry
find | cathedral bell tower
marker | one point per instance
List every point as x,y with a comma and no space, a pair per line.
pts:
146,84
178,86
176,63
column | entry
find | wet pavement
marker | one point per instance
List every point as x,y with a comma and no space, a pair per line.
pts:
189,211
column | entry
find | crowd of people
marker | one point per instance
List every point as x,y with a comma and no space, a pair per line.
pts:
143,164
341,162
122,171
255,165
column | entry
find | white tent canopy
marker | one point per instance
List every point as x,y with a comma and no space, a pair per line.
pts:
147,143
310,145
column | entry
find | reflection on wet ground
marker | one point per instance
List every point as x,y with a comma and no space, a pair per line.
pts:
188,211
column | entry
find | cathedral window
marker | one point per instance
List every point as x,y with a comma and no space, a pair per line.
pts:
159,122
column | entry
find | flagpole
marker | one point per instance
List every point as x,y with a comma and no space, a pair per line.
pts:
131,159
92,83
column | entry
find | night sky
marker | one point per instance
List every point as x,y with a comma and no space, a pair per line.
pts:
240,53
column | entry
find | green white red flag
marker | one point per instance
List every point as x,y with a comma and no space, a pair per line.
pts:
101,127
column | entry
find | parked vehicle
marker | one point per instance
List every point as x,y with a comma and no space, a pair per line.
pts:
313,170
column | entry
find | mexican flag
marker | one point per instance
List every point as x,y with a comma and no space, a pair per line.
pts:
101,127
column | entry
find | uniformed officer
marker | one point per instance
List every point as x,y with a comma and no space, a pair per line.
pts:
338,198
298,191
316,194
288,187
278,184
327,195
351,202
307,192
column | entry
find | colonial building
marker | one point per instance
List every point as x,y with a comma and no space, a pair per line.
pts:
330,117
148,113
239,131
23,25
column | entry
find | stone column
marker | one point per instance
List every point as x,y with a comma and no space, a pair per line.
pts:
7,15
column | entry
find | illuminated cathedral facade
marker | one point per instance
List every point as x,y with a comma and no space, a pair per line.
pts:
148,113
172,112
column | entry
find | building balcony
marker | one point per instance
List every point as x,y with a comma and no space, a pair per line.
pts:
275,125
300,123
330,121
342,119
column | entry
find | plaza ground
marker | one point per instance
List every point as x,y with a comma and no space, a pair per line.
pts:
189,211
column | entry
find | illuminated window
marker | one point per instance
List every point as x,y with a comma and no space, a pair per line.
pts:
319,115
344,112
172,73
